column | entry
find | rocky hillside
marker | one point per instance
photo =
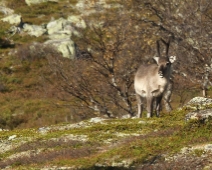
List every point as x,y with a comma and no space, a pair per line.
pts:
80,119
170,142
34,90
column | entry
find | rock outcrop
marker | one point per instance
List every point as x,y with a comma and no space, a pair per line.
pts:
198,103
12,19
59,30
31,2
34,30
202,115
65,46
6,11
202,108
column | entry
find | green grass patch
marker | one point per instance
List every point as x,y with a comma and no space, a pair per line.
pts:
159,139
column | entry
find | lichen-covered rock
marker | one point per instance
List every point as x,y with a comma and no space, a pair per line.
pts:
77,21
198,103
34,30
198,100
96,120
63,28
60,35
201,107
56,25
44,130
31,2
65,46
12,137
6,11
115,162
12,19
199,115
89,7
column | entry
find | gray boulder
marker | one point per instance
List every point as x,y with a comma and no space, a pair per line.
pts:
199,115
77,21
65,46
6,11
12,19
89,7
59,29
59,32
202,108
97,120
198,103
34,30
60,35
64,28
31,2
56,26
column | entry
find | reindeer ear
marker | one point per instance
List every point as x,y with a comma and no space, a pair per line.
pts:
172,59
156,59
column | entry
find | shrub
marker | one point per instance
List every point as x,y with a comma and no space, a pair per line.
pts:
34,51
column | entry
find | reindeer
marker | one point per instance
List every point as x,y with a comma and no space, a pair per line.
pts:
151,81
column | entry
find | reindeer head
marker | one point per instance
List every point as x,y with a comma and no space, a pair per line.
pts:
164,63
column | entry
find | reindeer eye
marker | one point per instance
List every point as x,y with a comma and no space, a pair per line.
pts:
167,63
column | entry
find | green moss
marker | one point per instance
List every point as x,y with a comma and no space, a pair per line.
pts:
168,139
198,152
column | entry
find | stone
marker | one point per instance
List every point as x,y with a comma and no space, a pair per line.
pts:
127,116
208,147
198,103
44,130
89,7
199,115
31,2
6,11
96,120
200,109
142,122
65,46
82,138
77,21
34,30
56,25
12,137
200,100
12,19
63,28
60,35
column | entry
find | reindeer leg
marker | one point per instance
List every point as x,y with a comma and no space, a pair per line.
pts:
140,105
204,92
158,105
149,106
167,97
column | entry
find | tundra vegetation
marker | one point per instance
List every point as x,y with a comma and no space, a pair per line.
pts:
41,88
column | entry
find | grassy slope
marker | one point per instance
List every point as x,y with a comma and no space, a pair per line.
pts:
23,101
129,142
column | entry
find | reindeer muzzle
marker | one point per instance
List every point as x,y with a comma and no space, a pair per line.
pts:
160,71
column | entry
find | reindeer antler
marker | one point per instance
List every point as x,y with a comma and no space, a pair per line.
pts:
167,44
158,48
